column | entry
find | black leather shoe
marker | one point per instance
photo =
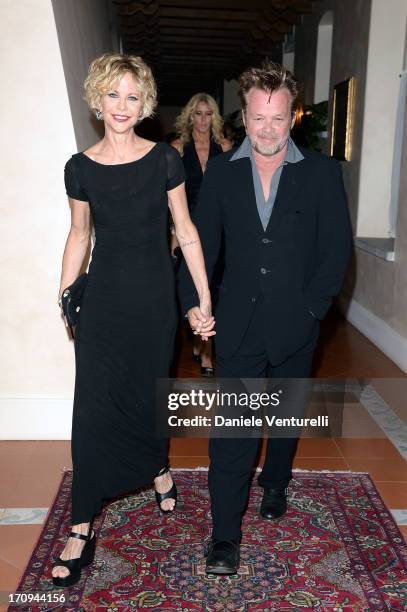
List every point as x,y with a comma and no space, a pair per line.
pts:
274,503
223,557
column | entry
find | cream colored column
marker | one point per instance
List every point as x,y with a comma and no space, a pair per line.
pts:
385,61
37,364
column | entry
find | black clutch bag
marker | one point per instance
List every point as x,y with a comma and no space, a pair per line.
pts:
71,300
176,259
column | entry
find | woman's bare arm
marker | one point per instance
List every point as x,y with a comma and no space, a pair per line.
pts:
76,244
190,244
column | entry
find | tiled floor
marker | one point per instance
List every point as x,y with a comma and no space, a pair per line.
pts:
31,471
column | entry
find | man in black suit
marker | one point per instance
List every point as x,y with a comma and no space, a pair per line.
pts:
284,218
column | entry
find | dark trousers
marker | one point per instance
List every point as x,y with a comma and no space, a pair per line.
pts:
232,460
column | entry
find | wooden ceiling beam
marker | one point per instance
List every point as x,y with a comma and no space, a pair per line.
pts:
188,81
193,44
180,77
280,5
212,55
203,23
199,61
176,42
171,27
218,4
259,31
193,32
187,78
193,24
191,13
192,38
271,33
198,40
195,59
302,6
187,31
160,59
138,8
290,16
270,16
209,49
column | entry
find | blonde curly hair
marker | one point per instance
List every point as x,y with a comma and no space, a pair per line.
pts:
105,71
183,123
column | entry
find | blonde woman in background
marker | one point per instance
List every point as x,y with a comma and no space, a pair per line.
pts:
199,127
128,318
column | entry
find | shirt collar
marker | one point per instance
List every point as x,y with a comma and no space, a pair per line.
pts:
293,154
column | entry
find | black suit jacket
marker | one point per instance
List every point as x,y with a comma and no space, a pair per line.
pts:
297,264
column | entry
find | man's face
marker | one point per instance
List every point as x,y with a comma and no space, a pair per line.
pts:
268,120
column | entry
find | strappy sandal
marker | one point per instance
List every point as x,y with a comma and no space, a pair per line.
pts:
75,565
207,371
171,494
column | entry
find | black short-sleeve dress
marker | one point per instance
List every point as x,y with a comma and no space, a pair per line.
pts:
124,338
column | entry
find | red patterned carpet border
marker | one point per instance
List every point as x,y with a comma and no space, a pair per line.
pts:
337,548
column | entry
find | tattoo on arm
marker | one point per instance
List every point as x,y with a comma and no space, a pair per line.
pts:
184,244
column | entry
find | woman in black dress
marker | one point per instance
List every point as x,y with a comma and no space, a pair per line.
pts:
128,317
200,137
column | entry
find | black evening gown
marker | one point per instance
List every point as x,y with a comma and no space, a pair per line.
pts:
124,339
193,170
193,181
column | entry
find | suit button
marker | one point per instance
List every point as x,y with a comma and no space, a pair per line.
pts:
263,270
253,299
266,240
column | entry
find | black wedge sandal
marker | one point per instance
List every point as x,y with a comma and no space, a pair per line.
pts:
171,494
75,565
207,371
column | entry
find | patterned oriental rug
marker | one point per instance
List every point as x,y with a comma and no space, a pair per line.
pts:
337,548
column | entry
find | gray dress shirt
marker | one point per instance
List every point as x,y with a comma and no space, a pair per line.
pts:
264,207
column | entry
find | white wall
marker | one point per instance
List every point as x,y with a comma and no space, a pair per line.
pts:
37,360
323,60
374,297
86,29
288,60
350,38
385,61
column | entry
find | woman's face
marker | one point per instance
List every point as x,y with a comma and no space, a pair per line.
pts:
201,118
121,105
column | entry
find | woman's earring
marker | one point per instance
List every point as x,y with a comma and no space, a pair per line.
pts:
99,115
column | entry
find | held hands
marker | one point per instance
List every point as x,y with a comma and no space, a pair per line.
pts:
201,321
